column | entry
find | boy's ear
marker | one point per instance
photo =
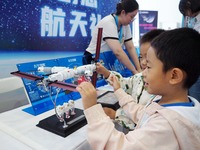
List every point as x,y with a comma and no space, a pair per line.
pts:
177,76
123,12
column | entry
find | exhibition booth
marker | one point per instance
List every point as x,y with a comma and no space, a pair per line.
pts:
45,35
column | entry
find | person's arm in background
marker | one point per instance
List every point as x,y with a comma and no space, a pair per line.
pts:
121,55
132,52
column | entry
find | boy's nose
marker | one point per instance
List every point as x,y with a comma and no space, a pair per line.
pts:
143,64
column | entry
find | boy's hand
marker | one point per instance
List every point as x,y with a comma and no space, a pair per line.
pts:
109,112
88,94
115,83
100,69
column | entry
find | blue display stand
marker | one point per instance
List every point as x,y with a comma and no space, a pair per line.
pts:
41,100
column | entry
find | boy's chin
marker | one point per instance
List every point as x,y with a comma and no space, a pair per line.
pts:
146,87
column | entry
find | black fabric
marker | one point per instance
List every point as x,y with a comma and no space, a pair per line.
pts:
87,58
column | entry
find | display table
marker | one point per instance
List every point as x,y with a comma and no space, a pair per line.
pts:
18,130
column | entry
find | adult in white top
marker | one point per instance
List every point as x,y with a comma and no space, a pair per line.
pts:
116,33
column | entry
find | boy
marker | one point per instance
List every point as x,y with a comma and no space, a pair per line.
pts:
171,123
133,85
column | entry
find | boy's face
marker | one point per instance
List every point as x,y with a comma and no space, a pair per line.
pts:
154,77
143,54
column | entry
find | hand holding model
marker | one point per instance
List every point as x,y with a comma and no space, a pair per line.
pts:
100,69
88,94
115,83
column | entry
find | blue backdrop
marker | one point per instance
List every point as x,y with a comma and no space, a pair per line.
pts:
49,25
33,30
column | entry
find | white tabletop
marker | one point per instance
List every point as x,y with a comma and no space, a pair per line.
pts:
18,130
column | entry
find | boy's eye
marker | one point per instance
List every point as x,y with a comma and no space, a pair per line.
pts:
140,58
148,67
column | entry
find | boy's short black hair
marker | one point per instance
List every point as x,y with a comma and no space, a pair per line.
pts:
180,48
189,5
149,36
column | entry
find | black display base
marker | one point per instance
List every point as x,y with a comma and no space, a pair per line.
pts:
74,123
